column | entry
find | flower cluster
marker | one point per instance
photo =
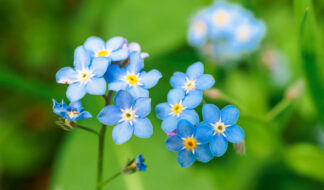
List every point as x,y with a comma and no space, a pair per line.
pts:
225,31
186,135
119,64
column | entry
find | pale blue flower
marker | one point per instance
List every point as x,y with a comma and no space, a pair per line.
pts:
72,112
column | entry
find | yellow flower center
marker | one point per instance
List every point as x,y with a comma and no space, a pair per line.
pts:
177,109
102,53
220,18
132,79
190,143
73,113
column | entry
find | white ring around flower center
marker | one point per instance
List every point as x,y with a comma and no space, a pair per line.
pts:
85,75
128,115
219,127
189,85
176,109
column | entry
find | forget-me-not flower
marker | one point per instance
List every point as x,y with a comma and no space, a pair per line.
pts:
130,116
193,80
179,106
132,78
112,48
219,127
72,112
189,144
86,77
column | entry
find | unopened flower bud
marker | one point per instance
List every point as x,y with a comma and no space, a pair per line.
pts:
134,165
239,147
213,93
295,90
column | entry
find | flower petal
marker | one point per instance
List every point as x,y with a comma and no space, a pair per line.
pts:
234,134
94,44
229,115
137,91
142,106
115,43
66,75
99,65
205,82
195,70
175,96
218,145
75,91
210,113
122,132
191,116
134,47
174,143
110,115
124,100
119,55
81,58
178,80
143,128
162,110
185,128
136,63
115,72
204,132
118,85
96,86
185,158
203,153
150,78
169,124
193,99
84,115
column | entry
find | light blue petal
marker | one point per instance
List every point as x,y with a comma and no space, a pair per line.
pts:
119,55
169,124
142,106
203,153
66,75
185,128
218,145
81,58
94,45
150,78
110,115
118,85
75,91
193,99
143,128
191,116
136,63
75,105
185,158
195,70
137,91
174,143
234,134
178,80
122,132
96,86
99,65
162,110
115,72
115,43
205,82
84,115
229,115
124,100
211,113
175,96
204,132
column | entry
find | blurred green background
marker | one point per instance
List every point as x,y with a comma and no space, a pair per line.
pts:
38,37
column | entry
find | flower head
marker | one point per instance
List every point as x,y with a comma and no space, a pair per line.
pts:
85,77
179,106
189,144
134,165
132,78
129,115
72,112
193,80
219,127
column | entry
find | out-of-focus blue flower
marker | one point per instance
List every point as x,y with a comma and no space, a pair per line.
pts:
189,144
193,80
198,30
219,127
179,106
86,77
140,165
112,48
130,116
133,46
72,112
131,78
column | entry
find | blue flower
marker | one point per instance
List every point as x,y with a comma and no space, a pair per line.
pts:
179,106
112,48
219,127
130,116
86,77
140,165
131,78
72,112
193,80
189,144
198,30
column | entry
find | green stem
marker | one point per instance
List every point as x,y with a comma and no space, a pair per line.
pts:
110,179
277,109
88,129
